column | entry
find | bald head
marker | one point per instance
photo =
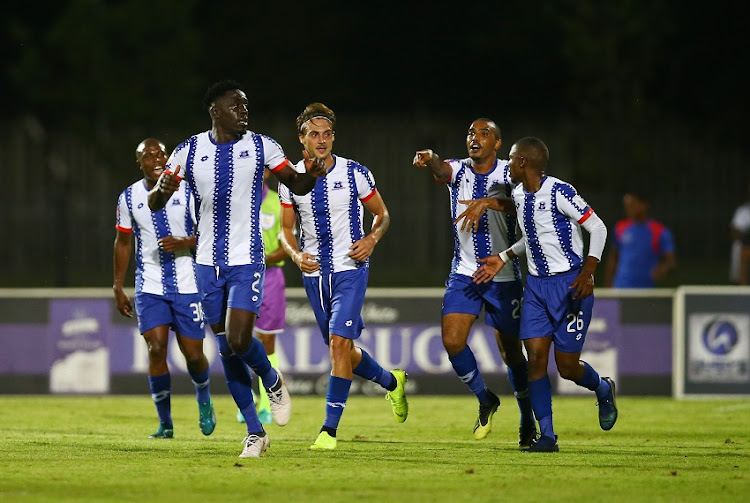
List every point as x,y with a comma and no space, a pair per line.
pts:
148,144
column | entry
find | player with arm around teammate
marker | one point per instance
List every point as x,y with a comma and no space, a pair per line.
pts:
558,300
166,294
334,260
224,169
485,180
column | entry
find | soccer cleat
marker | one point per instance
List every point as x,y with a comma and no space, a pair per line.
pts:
483,425
240,417
527,434
281,402
265,416
255,445
163,432
399,404
543,444
608,407
207,417
324,442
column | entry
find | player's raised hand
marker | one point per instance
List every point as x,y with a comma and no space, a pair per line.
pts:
169,182
315,166
422,158
490,267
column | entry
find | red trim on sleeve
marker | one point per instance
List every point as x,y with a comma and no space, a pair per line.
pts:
287,205
123,229
274,170
657,230
179,178
369,196
586,215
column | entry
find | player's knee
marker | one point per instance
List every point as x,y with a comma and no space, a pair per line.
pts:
453,345
157,352
238,344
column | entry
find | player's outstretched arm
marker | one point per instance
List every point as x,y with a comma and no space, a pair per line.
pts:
306,262
428,159
470,217
173,243
302,183
165,186
381,219
121,257
492,265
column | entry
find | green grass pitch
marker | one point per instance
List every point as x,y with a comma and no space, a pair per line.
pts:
96,449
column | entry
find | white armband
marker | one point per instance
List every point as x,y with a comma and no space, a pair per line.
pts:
504,256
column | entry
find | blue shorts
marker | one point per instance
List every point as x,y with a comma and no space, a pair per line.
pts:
238,287
549,310
501,301
182,312
337,300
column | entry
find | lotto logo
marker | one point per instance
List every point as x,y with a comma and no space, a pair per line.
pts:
348,323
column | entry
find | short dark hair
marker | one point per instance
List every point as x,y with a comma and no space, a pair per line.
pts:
312,111
218,89
536,151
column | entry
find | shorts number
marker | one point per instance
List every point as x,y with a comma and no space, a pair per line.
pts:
516,303
258,276
576,322
197,311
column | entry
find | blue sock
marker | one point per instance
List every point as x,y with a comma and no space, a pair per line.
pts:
370,369
591,380
540,392
465,366
239,383
161,394
338,392
519,380
257,359
201,382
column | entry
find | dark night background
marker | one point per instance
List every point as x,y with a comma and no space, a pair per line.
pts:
625,93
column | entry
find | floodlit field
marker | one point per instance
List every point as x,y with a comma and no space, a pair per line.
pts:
96,449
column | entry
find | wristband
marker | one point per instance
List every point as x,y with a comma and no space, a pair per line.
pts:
504,256
179,178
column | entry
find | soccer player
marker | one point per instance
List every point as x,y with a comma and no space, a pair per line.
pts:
485,179
334,260
223,167
642,250
165,291
272,316
558,298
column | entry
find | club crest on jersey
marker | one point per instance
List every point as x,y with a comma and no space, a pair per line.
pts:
542,206
245,153
338,185
176,202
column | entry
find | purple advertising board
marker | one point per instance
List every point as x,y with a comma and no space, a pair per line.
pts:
83,345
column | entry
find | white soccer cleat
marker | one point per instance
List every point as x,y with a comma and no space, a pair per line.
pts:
281,402
255,446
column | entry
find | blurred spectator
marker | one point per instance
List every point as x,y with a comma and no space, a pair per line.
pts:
642,251
740,252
